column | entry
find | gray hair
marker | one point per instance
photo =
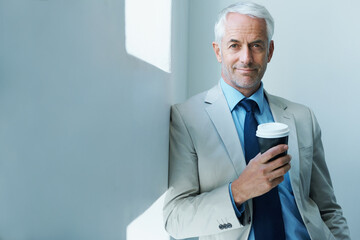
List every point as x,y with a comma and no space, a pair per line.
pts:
247,8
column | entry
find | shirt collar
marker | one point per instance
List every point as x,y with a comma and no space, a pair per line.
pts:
233,96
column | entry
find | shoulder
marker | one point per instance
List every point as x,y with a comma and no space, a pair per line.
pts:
197,104
190,110
194,111
287,104
192,103
303,115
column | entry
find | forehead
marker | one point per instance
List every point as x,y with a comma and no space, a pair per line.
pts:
243,26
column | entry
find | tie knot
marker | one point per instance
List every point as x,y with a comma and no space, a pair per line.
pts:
249,105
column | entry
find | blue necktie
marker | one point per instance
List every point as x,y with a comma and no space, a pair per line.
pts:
268,222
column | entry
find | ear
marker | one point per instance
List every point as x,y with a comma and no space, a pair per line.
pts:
271,50
217,51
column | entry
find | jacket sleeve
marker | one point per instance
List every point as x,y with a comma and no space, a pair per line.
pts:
321,190
188,212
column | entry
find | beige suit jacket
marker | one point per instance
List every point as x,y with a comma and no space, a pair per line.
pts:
206,155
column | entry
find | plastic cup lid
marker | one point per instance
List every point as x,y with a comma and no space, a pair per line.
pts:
272,130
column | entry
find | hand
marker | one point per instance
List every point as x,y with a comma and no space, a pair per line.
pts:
260,176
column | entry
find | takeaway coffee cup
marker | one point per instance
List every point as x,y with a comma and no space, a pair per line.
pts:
272,134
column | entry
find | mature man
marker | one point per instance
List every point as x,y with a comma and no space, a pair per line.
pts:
220,186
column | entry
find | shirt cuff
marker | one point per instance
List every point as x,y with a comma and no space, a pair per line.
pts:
238,211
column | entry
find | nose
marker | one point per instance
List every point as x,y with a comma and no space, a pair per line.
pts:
245,56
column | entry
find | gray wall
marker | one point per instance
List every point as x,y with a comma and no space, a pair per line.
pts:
314,63
83,125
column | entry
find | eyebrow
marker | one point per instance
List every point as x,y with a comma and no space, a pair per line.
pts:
258,41
233,41
237,41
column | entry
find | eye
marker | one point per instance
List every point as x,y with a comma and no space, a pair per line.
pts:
257,46
234,45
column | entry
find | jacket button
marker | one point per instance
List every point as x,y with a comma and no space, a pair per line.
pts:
221,226
229,225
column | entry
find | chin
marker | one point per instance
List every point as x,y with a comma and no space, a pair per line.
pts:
250,84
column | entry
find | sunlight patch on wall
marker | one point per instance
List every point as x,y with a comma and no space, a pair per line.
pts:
149,225
148,31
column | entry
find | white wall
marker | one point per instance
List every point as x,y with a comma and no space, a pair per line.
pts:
315,61
83,125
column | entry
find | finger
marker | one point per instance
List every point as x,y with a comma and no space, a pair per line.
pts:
277,181
272,152
279,162
279,172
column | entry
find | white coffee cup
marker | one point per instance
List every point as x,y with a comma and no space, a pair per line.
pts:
272,134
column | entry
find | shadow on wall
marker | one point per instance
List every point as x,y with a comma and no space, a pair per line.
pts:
84,125
148,225
148,37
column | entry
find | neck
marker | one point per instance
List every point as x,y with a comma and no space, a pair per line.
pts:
246,91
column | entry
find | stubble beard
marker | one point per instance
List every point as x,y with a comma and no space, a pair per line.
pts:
245,82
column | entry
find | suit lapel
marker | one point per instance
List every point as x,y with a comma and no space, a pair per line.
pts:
220,115
278,109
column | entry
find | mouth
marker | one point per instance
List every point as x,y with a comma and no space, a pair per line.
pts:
246,70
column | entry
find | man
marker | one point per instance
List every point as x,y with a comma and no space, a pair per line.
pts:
217,189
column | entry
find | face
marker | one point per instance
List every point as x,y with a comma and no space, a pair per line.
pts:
244,52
